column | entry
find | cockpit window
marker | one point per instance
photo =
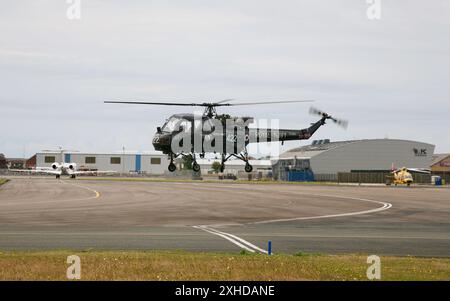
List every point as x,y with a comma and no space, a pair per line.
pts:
174,124
170,125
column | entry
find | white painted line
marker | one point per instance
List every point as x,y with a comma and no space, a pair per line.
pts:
382,208
58,201
234,237
224,236
252,248
238,239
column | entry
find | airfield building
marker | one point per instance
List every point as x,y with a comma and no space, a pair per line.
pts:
16,163
440,166
324,160
126,163
144,163
261,168
3,162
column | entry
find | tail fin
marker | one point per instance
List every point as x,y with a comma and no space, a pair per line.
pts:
393,167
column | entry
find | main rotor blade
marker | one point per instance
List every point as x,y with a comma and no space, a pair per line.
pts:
157,103
268,102
205,104
225,100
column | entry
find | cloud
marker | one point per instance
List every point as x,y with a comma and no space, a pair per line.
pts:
55,73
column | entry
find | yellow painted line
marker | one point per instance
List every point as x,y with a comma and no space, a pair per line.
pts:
97,194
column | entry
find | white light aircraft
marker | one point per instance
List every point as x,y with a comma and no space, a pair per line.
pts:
63,168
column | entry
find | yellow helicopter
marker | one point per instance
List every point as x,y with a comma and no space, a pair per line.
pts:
403,176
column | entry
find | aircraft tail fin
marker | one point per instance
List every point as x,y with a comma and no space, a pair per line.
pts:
393,168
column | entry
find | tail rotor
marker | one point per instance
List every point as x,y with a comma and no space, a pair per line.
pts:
340,122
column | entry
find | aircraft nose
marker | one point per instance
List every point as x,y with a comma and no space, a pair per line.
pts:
156,138
161,142
160,139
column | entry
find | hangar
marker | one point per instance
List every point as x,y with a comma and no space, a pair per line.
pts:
140,163
323,159
261,168
440,166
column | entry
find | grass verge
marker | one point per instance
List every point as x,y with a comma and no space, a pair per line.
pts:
3,181
177,265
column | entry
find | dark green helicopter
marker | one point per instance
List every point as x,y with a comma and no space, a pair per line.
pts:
187,134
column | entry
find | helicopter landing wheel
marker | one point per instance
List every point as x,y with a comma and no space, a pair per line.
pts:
58,176
195,167
248,167
72,176
172,167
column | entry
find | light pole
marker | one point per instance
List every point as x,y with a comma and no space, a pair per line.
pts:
123,160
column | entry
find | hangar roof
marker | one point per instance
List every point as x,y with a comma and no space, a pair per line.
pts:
438,158
309,151
314,149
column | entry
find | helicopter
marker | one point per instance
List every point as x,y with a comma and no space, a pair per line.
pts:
190,134
403,176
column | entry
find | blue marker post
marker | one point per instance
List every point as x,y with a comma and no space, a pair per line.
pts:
269,248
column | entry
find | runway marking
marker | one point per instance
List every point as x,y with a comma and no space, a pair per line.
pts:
97,194
239,241
139,234
242,243
385,206
352,236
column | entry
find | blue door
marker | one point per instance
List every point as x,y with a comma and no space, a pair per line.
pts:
300,176
138,163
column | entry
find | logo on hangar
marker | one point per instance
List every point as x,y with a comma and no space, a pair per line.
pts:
422,152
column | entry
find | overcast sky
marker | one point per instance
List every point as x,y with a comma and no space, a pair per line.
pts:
388,77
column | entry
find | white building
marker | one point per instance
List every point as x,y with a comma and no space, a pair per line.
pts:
325,157
143,163
148,163
236,166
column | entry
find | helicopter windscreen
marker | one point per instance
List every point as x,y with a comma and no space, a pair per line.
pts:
174,124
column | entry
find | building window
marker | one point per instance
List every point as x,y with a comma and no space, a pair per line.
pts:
89,160
115,160
49,159
155,161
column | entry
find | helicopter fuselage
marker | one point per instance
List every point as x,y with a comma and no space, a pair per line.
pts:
207,134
